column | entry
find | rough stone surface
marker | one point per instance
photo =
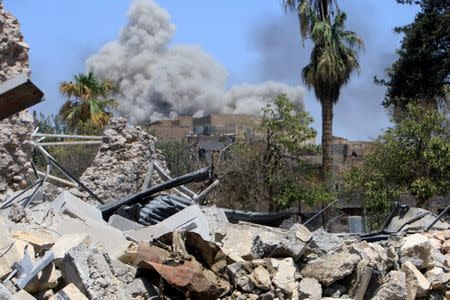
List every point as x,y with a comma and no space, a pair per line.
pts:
284,278
88,269
417,249
310,288
261,278
324,242
416,284
15,132
330,268
13,49
394,288
121,163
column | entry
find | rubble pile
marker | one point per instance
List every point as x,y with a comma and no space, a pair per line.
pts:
121,164
63,249
15,152
14,58
15,132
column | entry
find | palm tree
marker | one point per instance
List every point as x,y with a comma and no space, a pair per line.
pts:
88,101
333,59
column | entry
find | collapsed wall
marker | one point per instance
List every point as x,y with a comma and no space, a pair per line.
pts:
15,132
121,163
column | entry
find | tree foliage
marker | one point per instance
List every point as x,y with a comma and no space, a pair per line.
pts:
269,174
421,73
413,157
88,102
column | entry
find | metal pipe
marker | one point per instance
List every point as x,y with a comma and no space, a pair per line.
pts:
206,191
68,136
446,210
30,199
166,177
320,212
69,143
60,180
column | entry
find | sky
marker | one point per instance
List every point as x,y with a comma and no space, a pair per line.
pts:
254,40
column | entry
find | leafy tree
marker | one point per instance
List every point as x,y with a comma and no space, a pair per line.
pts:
421,73
88,102
333,59
413,157
269,174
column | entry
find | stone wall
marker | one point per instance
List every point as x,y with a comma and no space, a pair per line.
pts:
15,132
13,49
121,163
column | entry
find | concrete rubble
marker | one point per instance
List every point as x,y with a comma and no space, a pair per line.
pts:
75,254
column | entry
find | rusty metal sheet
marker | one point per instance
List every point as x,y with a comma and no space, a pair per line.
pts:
17,94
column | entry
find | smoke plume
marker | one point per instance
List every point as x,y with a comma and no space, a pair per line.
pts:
157,81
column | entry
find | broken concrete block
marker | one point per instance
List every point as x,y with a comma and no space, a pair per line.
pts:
284,277
245,284
216,218
190,219
10,254
110,238
123,224
301,232
417,285
324,242
40,239
330,268
310,288
261,278
252,241
123,272
23,295
88,269
140,288
66,203
67,242
436,277
69,292
5,294
394,287
417,249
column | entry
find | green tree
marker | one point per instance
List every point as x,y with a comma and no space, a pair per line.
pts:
413,157
333,59
88,102
421,73
269,174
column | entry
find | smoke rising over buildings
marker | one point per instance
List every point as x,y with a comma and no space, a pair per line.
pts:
158,81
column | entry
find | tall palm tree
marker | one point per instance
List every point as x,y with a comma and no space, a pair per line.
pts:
88,100
333,59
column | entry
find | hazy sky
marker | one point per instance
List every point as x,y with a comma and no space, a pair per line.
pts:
253,39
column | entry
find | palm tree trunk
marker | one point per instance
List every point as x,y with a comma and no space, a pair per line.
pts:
327,143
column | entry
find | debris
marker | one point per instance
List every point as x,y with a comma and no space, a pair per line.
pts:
284,278
191,218
417,285
394,287
123,224
324,242
75,207
27,270
310,288
261,278
417,249
70,292
88,270
332,267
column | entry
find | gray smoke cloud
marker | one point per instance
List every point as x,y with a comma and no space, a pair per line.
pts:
157,81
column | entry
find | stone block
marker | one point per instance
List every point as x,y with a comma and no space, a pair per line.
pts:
394,287
417,285
190,219
23,295
110,238
87,268
69,292
123,224
284,278
67,203
5,294
67,242
310,288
